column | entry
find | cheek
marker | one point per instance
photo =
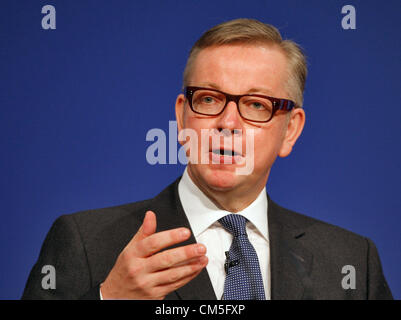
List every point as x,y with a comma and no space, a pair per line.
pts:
267,143
196,123
196,126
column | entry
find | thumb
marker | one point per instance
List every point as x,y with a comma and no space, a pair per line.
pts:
147,228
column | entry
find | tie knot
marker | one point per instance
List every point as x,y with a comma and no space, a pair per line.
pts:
235,224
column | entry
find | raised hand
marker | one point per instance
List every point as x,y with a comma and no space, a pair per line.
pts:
142,272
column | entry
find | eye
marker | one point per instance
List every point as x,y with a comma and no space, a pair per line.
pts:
208,99
257,105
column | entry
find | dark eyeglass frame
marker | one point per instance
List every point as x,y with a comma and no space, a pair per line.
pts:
278,104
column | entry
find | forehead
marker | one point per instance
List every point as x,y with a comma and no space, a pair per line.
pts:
238,68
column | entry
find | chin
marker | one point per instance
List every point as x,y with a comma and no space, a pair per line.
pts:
221,178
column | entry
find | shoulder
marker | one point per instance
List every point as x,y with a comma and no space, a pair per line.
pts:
101,217
317,233
334,250
116,221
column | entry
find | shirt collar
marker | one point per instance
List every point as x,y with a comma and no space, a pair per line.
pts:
202,212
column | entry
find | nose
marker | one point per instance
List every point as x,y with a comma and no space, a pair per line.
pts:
230,119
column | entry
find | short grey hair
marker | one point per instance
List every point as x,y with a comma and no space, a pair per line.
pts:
251,31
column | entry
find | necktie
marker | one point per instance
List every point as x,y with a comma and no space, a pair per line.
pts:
243,276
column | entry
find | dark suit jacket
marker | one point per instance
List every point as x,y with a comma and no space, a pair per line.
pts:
307,255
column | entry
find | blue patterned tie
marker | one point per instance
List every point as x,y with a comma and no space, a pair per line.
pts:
243,279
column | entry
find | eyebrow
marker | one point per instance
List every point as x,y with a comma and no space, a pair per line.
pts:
252,90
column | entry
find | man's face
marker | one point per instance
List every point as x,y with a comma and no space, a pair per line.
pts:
239,69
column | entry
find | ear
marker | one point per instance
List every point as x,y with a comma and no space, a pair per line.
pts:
179,113
295,125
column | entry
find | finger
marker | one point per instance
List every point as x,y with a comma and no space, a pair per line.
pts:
175,257
147,228
159,241
149,224
176,274
167,288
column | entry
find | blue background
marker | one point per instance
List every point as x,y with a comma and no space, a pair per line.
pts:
76,104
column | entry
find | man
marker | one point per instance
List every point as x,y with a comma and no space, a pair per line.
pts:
215,233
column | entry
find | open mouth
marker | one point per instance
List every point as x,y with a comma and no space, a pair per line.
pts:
226,152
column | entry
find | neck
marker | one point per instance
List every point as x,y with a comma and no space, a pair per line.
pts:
232,200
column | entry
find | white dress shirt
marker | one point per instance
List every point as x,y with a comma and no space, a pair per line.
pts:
203,216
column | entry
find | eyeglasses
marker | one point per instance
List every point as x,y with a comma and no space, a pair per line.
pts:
251,107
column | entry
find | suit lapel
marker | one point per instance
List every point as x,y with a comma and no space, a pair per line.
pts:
290,262
170,214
